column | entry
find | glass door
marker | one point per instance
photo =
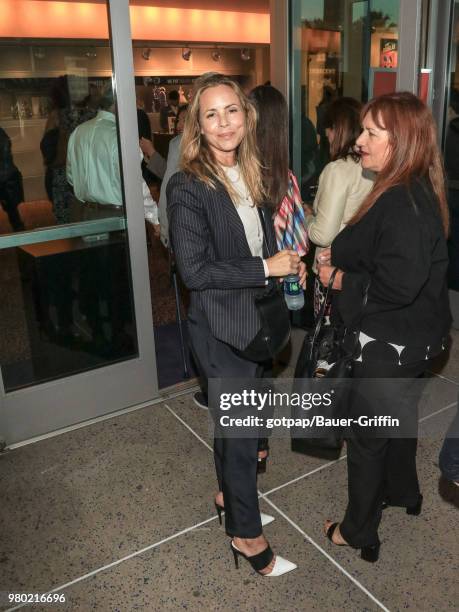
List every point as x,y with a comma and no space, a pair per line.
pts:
338,48
451,152
74,343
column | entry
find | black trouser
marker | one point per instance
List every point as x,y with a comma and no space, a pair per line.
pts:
380,468
11,195
235,458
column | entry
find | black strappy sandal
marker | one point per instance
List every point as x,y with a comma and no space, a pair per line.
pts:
367,553
262,560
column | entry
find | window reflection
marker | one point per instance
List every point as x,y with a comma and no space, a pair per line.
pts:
38,112
68,303
346,49
452,159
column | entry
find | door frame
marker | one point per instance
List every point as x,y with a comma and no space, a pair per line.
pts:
46,407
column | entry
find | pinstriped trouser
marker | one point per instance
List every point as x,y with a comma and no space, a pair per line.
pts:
235,459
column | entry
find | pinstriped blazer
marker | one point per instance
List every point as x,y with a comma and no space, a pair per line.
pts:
214,259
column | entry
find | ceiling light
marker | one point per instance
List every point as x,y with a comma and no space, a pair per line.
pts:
91,54
146,54
186,53
245,54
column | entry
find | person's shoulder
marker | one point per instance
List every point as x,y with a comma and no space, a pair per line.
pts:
343,169
174,145
184,181
407,204
344,165
179,178
393,202
398,196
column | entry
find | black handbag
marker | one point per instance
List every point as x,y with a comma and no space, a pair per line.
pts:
274,334
337,346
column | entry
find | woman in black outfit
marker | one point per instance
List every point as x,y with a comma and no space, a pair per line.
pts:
396,244
223,256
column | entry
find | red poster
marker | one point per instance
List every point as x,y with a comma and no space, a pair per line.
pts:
389,53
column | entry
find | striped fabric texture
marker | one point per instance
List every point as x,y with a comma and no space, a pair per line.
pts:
214,259
290,223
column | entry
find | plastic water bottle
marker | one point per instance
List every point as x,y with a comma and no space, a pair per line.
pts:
293,292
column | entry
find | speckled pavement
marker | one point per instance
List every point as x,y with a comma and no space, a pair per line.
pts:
118,516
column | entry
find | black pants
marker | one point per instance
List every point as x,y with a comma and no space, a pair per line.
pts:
11,195
380,468
235,458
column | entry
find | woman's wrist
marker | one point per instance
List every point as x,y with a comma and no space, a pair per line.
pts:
338,284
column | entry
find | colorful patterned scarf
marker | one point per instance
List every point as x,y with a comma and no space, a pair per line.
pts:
289,222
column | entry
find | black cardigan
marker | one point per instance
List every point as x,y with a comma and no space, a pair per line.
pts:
400,247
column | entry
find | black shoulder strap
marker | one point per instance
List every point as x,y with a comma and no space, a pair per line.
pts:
261,213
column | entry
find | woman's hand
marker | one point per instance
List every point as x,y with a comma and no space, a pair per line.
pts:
147,148
303,274
325,272
283,263
324,257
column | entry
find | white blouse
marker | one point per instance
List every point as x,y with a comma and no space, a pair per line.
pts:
248,213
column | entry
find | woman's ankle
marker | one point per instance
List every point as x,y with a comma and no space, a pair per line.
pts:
251,545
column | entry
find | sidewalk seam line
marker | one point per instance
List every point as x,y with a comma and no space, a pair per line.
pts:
444,378
190,429
437,412
298,478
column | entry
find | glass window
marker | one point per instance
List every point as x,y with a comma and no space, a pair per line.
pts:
451,141
64,262
340,48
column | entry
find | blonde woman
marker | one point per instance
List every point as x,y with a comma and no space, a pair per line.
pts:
223,257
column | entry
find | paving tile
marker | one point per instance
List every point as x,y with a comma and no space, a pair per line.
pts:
90,496
196,572
417,568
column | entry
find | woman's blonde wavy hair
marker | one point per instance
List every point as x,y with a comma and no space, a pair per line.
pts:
197,158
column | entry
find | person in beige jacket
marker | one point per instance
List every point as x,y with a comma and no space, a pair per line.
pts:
342,184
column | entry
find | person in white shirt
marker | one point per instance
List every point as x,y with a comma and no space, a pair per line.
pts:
343,185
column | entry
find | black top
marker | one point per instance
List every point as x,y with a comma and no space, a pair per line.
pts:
7,167
400,248
143,124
